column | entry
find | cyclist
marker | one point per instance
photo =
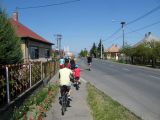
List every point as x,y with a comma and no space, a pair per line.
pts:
61,62
64,79
89,61
72,62
77,73
67,61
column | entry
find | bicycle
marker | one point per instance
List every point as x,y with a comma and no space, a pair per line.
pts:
76,83
64,98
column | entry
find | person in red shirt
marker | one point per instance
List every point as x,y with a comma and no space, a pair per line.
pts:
68,63
77,73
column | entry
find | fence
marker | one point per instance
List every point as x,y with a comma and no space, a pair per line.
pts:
15,80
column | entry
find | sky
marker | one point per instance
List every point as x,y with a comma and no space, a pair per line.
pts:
83,22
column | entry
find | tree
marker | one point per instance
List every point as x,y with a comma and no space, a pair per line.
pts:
156,50
83,53
99,49
10,46
127,50
93,50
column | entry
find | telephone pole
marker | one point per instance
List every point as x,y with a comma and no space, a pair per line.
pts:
101,48
58,39
122,23
122,26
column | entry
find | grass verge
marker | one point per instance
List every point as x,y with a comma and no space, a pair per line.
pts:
36,106
104,107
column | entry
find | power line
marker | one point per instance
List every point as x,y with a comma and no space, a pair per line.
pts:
144,27
113,34
146,14
48,5
139,29
136,30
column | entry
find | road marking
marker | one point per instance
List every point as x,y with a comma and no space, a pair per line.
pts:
126,69
84,80
154,77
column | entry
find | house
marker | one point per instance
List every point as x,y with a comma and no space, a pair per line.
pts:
112,52
149,37
34,47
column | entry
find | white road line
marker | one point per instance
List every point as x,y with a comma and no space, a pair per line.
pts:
154,77
126,69
83,80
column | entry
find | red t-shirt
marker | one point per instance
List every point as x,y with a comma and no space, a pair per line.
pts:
77,72
69,65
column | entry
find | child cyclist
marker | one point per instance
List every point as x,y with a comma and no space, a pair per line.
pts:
77,73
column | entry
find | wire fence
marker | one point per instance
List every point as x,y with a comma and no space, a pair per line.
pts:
16,79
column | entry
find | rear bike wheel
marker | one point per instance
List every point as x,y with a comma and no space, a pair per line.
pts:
77,85
64,107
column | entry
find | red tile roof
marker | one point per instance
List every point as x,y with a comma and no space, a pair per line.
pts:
23,31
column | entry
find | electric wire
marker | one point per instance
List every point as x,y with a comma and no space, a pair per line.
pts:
144,27
143,16
48,5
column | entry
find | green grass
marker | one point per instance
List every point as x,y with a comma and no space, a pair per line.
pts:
104,107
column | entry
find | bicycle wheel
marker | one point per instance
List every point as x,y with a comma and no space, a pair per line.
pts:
77,86
63,105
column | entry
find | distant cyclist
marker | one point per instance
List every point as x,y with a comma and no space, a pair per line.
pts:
61,62
67,61
72,62
89,61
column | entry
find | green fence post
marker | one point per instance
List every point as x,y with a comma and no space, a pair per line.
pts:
7,87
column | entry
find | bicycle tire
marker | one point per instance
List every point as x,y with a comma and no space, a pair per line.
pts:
77,86
63,105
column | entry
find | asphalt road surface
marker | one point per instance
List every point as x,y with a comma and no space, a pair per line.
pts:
137,88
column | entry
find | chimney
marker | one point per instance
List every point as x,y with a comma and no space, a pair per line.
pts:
149,33
15,15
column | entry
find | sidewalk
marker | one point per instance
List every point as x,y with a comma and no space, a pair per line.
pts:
79,109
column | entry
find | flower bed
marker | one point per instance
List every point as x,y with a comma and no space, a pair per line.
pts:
36,106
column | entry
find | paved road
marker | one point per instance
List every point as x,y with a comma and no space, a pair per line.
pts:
137,88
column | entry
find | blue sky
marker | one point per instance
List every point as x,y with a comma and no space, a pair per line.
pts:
86,21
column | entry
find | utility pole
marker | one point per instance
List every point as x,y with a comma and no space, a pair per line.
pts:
101,49
122,26
58,39
122,23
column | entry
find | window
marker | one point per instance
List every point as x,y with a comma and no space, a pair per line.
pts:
47,53
34,52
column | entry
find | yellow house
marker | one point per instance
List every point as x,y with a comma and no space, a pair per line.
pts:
112,52
34,47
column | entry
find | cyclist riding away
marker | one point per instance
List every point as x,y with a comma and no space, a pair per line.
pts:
61,62
77,73
67,61
72,62
64,79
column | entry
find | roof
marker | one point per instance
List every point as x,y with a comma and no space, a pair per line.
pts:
23,31
113,48
148,38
